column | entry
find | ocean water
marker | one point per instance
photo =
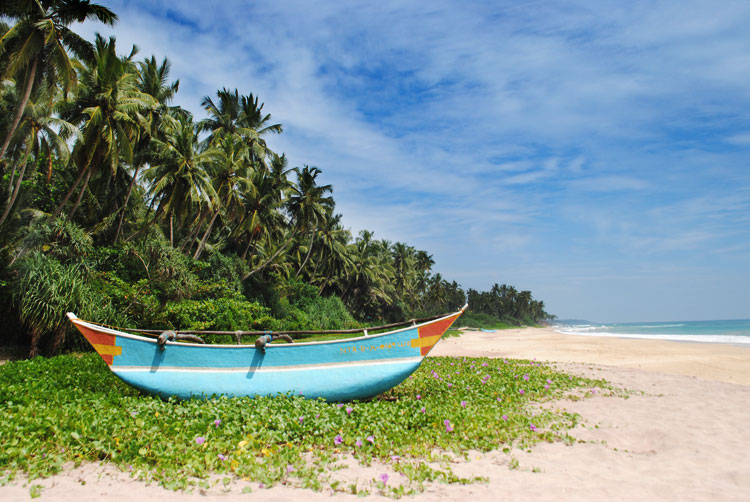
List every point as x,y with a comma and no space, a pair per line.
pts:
733,332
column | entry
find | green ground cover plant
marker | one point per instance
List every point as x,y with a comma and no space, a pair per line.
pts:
71,408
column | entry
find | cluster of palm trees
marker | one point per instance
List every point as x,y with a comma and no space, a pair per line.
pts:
506,303
90,135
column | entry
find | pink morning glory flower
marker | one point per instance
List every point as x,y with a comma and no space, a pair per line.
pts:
222,457
419,396
200,440
340,405
505,417
484,364
384,477
349,410
522,392
463,403
450,385
499,399
526,377
546,386
549,381
370,439
338,439
423,410
358,443
217,422
301,419
289,468
395,458
532,427
448,426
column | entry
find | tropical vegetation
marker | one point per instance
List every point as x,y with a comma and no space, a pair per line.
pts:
122,207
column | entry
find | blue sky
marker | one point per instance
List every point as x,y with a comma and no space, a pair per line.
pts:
596,153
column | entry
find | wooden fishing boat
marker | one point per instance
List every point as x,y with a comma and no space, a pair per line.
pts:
339,370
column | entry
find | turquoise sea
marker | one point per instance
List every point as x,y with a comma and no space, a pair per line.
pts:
734,331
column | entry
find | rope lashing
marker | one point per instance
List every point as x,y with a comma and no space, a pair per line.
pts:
263,340
171,336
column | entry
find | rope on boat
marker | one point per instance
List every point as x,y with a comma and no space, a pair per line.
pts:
171,336
263,340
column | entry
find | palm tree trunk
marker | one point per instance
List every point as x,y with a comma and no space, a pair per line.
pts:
193,234
80,195
21,107
16,189
205,237
171,230
125,204
247,248
312,238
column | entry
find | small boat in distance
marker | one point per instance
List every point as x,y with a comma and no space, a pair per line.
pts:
337,370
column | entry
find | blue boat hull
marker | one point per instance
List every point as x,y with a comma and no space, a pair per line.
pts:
342,370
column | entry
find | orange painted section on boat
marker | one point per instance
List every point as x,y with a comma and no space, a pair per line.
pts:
103,343
430,334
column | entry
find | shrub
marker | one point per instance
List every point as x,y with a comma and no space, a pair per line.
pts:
221,314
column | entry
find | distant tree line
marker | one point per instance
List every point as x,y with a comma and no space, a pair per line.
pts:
120,206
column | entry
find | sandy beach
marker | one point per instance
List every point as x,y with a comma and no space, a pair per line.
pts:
680,435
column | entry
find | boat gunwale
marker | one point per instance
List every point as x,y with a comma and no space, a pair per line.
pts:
97,327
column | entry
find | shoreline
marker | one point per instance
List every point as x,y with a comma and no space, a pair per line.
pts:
713,361
678,435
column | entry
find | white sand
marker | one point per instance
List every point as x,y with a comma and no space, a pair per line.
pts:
683,436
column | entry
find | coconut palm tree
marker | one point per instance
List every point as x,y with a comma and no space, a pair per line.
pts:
309,205
35,49
230,175
153,79
111,112
38,138
178,176
233,114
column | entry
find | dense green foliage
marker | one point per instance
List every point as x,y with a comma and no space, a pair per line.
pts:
122,208
72,408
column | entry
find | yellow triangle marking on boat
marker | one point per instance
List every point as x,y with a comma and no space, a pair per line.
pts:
112,350
427,341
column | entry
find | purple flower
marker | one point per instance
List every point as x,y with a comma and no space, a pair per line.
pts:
526,377
289,468
384,478
338,439
546,386
419,396
358,443
463,403
448,426
505,417
301,419
522,392
549,381
499,400
340,405
450,385
222,457
200,440
370,439
349,410
532,427
217,422
484,364
395,458
423,410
